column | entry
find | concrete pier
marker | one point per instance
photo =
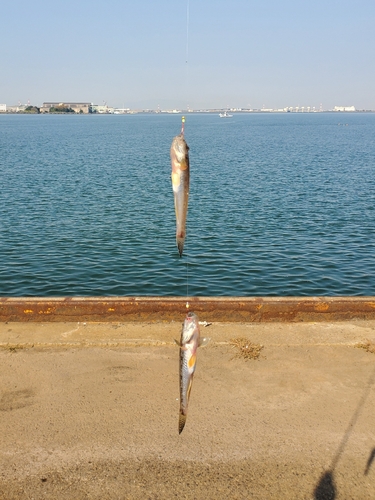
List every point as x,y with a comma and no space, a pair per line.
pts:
89,406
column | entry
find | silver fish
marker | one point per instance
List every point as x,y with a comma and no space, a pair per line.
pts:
189,343
180,183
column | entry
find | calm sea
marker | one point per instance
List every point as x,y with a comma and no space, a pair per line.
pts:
280,205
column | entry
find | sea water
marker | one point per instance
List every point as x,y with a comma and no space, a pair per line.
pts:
280,205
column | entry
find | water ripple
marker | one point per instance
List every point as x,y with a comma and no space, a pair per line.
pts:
279,205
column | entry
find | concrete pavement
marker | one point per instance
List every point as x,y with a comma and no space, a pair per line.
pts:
90,411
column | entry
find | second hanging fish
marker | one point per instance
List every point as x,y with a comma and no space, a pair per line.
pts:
180,184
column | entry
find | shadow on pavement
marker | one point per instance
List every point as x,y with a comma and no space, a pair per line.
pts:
369,461
326,489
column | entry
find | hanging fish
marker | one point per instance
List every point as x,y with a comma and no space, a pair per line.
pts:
180,184
190,341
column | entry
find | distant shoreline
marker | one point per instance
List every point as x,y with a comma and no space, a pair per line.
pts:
201,112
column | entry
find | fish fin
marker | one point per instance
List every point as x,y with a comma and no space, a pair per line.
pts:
189,388
204,323
181,422
180,245
191,362
204,341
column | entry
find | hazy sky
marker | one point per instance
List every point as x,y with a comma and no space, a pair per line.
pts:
241,53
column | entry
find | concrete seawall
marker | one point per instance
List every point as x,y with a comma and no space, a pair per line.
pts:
227,309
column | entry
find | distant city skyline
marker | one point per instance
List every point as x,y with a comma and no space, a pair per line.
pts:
107,105
175,54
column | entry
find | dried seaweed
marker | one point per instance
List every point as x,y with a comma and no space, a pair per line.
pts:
245,349
367,346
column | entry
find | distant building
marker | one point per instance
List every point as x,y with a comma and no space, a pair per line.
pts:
94,108
121,111
3,108
16,109
344,108
78,107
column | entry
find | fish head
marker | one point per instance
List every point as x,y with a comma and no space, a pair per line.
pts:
191,317
180,152
191,328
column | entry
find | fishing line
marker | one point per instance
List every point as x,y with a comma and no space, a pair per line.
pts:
187,53
187,29
187,283
186,251
182,129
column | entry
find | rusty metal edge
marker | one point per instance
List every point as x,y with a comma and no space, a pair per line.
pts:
223,309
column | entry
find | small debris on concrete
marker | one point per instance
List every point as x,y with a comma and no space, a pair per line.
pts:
367,346
246,349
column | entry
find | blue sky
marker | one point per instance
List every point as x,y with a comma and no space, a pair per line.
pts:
241,53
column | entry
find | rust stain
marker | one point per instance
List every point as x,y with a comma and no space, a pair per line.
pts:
47,311
321,307
223,309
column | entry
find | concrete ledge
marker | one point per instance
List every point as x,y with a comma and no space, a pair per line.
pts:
223,309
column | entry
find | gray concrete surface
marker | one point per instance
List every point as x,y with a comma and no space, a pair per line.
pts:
90,411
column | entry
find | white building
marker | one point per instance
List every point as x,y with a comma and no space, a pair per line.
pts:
344,108
3,108
101,109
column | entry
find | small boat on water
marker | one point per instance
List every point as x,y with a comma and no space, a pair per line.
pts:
225,115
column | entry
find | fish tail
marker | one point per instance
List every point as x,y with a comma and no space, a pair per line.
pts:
181,422
180,244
